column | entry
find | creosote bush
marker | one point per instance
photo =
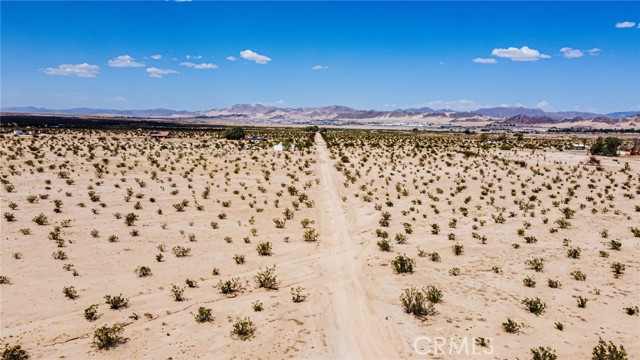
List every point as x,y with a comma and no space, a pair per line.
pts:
414,301
107,337
243,329
403,264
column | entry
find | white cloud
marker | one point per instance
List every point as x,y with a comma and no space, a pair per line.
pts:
570,53
274,103
253,56
156,57
182,0
319,67
83,70
195,57
157,73
118,99
124,61
594,51
485,60
625,24
523,54
390,105
202,66
542,104
231,58
458,105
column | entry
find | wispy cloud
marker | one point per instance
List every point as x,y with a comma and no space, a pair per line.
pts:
158,73
625,24
485,60
272,103
83,70
194,57
522,54
202,66
124,61
458,105
255,57
594,51
121,99
156,57
571,53
231,58
542,104
319,67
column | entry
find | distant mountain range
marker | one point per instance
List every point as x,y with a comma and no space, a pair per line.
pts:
335,112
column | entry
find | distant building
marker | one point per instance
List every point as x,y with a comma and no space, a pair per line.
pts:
159,134
580,147
280,147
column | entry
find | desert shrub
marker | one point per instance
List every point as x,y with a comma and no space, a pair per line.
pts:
264,249
280,223
297,296
458,249
191,283
582,302
70,292
239,259
573,253
91,313
579,275
9,216
229,287
554,284
632,310
434,295
257,305
559,325
414,301
4,280
267,278
243,329
608,351
511,326
535,306
403,264
180,251
159,257
142,271
635,231
112,238
203,315
615,245
60,255
384,245
529,282
41,219
543,353
177,293
434,256
14,352
618,269
310,235
401,238
130,219
116,302
530,239
455,271
536,264
107,337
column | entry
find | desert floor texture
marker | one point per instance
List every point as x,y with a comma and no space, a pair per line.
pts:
485,225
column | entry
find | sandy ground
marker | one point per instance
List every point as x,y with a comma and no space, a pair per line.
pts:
352,309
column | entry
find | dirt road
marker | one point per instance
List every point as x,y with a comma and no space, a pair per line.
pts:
353,329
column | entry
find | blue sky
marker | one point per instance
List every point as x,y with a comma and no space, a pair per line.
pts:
369,55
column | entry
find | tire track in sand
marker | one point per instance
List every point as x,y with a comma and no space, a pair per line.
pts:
352,329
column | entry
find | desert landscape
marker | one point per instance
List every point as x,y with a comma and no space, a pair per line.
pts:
357,244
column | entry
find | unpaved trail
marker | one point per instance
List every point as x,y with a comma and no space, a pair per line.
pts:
353,330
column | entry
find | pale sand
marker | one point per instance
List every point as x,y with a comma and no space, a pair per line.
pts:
353,309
